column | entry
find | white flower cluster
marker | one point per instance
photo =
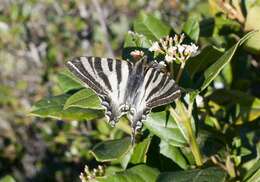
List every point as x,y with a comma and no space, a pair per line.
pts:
173,48
88,175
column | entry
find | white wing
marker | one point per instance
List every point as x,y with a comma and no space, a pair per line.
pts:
108,78
155,89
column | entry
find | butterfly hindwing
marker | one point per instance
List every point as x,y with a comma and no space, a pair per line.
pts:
150,88
156,89
107,78
161,90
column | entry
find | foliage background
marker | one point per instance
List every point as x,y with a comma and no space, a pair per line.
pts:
36,39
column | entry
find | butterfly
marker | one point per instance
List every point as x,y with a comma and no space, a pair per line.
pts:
125,87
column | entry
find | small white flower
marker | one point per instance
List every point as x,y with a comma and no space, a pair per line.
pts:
199,101
155,47
218,85
175,38
181,48
172,50
194,48
169,58
190,49
181,38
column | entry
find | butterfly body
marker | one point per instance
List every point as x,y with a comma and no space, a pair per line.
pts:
125,87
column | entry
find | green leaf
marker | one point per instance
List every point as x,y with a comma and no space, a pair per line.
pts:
212,174
151,27
252,44
84,98
192,29
207,27
173,153
7,178
136,154
111,150
253,174
252,18
125,159
140,173
165,127
255,177
200,62
182,115
53,107
136,41
67,81
249,106
212,72
140,151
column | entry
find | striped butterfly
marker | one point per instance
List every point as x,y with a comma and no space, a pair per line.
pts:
125,87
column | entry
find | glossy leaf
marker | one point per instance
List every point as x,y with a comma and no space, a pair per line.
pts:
251,19
151,27
140,151
192,29
201,62
125,159
67,81
252,44
207,27
84,98
253,174
173,153
137,154
53,107
165,127
212,174
249,105
253,16
136,41
212,71
112,149
140,173
182,116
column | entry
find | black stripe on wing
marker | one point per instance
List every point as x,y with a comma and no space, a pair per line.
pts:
161,90
99,70
95,72
77,68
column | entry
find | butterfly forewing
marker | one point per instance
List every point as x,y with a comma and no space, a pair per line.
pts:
108,78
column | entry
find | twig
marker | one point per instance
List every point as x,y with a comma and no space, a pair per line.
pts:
185,121
180,72
102,22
